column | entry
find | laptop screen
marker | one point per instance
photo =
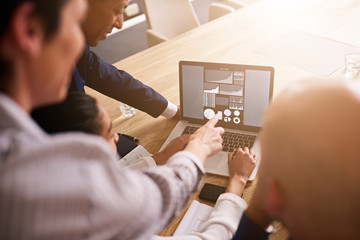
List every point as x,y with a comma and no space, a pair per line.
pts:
240,94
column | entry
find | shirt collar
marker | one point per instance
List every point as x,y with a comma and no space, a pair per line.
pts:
12,115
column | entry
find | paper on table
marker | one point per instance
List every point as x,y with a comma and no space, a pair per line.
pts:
133,157
315,54
196,214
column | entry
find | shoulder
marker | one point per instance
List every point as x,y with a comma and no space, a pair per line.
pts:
79,146
66,161
68,147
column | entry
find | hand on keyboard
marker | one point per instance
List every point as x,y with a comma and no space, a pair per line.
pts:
241,164
206,141
231,140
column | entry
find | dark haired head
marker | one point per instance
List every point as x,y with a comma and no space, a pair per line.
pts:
79,112
48,10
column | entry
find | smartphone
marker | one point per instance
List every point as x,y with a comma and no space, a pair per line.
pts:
211,192
124,145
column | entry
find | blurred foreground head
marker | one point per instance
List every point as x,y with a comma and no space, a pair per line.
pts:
309,176
40,42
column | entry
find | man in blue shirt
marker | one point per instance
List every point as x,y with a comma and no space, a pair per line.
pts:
103,16
309,174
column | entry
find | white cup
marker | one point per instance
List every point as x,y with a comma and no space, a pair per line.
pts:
126,110
352,64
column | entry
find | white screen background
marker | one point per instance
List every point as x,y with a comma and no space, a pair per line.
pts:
257,88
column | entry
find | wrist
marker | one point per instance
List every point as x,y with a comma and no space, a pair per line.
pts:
196,148
236,185
159,158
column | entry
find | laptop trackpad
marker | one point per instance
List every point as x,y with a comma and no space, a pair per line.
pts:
218,164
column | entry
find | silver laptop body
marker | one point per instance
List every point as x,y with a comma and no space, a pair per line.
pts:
240,94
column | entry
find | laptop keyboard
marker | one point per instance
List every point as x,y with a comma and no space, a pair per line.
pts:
231,140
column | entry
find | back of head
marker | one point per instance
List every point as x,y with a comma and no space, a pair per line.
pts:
310,147
79,112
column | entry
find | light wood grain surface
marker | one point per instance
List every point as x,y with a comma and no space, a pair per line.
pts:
233,39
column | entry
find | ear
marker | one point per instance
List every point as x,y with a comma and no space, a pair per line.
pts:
26,29
274,199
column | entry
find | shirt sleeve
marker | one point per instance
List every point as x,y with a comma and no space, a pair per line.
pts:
121,86
221,223
76,187
162,195
147,199
143,163
170,110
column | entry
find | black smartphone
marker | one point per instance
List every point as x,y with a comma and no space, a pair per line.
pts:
211,192
124,145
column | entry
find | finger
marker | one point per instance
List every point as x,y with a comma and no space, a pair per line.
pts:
213,121
230,156
220,130
246,149
252,153
238,150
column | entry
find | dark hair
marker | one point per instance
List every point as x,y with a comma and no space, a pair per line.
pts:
78,112
48,10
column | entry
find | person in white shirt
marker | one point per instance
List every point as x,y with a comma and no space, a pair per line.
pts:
91,117
69,186
225,216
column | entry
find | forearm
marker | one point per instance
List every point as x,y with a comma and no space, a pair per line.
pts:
123,87
236,185
194,147
224,218
120,85
177,180
165,188
222,222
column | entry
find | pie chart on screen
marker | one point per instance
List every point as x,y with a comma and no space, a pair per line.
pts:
209,113
227,112
227,119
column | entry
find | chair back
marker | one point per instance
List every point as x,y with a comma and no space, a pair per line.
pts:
170,17
217,10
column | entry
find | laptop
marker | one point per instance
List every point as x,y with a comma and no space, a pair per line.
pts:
240,94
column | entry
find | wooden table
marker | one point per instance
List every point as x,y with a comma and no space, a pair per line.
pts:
234,39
